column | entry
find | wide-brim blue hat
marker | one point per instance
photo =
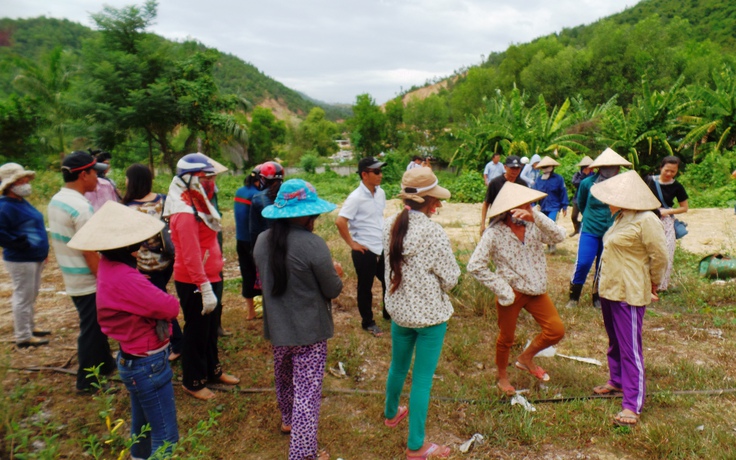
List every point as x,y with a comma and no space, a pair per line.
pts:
297,198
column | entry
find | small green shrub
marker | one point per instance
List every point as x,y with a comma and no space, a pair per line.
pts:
309,162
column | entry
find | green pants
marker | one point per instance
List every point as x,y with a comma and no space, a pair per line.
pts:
427,342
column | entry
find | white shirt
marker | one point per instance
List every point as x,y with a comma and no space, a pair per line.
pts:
413,165
364,212
493,170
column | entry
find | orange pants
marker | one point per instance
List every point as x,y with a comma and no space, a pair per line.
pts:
544,313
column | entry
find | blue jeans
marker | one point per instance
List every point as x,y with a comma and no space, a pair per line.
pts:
148,381
426,344
590,248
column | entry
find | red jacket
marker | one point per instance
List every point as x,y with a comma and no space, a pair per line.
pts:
128,306
198,256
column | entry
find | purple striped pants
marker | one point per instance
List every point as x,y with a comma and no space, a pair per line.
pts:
625,357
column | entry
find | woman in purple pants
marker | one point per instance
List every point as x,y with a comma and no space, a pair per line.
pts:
633,263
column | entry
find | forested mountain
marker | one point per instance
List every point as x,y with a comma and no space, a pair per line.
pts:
33,38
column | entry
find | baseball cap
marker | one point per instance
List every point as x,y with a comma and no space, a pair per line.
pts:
81,161
369,163
512,161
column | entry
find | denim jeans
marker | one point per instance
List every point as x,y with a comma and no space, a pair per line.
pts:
148,381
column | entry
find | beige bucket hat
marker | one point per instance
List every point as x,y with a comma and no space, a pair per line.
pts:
626,191
609,158
11,172
512,196
586,161
546,161
115,226
419,182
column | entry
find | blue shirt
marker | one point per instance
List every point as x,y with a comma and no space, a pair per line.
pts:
554,187
22,231
243,198
257,224
493,170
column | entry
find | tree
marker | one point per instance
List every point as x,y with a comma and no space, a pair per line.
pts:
369,126
394,110
318,134
265,132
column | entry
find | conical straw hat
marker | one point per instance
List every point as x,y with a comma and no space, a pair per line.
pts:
512,196
586,161
219,167
609,158
546,161
626,191
115,226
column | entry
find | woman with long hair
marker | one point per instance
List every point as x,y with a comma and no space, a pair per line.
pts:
421,270
633,264
668,189
131,310
299,280
153,260
515,241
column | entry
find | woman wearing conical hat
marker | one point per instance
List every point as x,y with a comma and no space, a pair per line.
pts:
596,220
553,185
584,172
633,263
131,310
515,241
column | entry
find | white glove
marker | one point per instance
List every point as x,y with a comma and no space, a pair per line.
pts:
209,299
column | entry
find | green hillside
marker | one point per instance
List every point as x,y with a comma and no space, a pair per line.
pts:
32,38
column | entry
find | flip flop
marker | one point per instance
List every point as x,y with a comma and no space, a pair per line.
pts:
507,390
400,415
433,451
629,419
285,429
375,330
607,390
539,373
204,394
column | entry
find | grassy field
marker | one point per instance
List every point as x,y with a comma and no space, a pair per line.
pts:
688,341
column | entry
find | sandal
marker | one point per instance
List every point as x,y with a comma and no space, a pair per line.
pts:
204,394
323,455
433,451
607,390
401,414
508,390
375,330
539,373
626,418
285,429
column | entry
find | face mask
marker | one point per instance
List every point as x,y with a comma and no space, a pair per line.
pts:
516,221
607,172
21,190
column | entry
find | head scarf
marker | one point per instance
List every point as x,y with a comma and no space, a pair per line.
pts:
187,195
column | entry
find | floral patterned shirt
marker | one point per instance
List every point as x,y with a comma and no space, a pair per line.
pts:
428,273
520,266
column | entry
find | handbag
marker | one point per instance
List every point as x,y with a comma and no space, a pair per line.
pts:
167,245
680,226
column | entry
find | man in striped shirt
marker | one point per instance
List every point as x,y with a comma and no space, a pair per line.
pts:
68,211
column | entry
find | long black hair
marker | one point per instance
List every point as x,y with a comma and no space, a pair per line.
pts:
278,249
396,240
140,182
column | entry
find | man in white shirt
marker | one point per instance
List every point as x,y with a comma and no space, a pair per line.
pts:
360,224
493,169
417,162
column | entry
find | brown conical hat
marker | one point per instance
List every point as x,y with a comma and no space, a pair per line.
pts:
609,158
586,161
512,196
626,191
546,161
115,226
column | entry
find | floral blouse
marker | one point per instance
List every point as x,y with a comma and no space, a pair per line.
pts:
428,273
520,266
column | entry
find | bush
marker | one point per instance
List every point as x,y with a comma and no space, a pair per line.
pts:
467,188
309,162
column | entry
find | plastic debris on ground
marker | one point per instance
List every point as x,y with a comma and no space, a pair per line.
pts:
548,352
338,371
519,399
465,447
582,359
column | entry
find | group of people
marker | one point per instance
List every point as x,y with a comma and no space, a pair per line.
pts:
116,261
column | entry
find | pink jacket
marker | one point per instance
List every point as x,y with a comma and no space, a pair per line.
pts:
128,306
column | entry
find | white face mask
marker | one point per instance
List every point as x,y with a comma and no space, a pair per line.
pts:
21,190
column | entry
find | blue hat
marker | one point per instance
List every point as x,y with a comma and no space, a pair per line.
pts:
297,198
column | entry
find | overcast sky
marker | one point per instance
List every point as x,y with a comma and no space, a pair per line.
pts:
333,50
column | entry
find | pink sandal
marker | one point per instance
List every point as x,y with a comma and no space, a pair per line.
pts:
400,415
433,451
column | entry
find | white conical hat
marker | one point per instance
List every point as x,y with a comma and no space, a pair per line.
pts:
512,196
115,226
586,161
626,191
609,158
546,161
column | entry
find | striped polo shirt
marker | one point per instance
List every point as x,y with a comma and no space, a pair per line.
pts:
68,211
